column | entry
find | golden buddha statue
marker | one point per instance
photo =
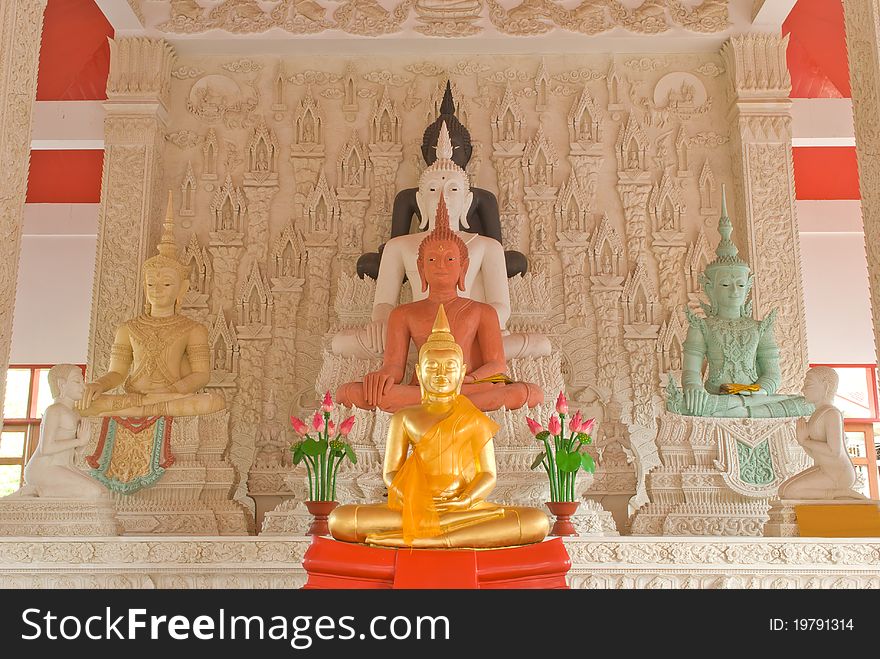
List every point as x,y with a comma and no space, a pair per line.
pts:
160,358
437,493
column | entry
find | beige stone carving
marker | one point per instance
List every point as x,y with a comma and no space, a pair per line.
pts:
193,497
309,277
448,19
21,26
57,517
861,36
761,129
138,91
700,490
276,562
187,193
444,18
369,18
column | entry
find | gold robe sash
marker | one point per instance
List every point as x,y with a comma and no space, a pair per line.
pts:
446,457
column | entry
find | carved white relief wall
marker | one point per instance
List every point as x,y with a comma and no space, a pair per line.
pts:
608,174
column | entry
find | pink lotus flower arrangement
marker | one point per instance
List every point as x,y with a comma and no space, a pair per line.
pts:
321,454
562,456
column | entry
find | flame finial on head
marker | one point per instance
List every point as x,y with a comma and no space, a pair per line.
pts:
167,248
457,130
444,163
726,252
447,105
443,233
441,337
444,144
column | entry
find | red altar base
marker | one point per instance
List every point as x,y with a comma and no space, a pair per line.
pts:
333,564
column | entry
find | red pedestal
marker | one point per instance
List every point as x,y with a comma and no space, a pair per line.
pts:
333,564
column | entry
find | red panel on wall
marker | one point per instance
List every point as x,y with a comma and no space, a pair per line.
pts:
817,50
74,54
826,173
65,177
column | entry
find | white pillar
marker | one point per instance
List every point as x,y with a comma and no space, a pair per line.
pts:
764,203
862,33
132,194
21,29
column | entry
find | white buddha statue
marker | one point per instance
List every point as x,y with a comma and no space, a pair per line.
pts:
486,280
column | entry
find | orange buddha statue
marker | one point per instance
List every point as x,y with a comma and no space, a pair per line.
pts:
439,468
442,265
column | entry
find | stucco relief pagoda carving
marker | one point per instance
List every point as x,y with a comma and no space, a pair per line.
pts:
20,30
435,18
611,226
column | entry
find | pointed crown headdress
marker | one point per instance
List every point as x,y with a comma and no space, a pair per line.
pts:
726,253
447,116
444,163
441,337
167,248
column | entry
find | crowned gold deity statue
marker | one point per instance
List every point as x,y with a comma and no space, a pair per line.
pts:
439,468
160,358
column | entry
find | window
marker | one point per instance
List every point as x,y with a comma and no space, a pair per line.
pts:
857,399
860,444
27,397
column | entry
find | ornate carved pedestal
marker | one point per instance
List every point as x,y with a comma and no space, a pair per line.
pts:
194,495
332,564
268,486
717,475
259,562
37,517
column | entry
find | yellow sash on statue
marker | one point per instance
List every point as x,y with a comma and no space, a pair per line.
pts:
447,453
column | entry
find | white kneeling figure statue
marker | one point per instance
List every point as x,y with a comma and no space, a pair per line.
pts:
487,274
50,473
823,439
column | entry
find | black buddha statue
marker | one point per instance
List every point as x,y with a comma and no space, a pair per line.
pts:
483,216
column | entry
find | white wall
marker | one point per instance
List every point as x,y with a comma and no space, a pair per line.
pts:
835,282
55,275
822,122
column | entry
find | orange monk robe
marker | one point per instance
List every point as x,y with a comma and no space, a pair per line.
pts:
444,461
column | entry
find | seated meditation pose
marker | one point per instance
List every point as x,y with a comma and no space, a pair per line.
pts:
822,437
484,281
50,472
442,268
481,216
161,358
437,493
742,372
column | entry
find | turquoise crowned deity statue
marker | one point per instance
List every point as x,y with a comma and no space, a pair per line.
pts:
739,353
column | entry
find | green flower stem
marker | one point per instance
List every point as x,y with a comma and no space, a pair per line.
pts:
560,477
562,442
551,470
309,472
335,471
